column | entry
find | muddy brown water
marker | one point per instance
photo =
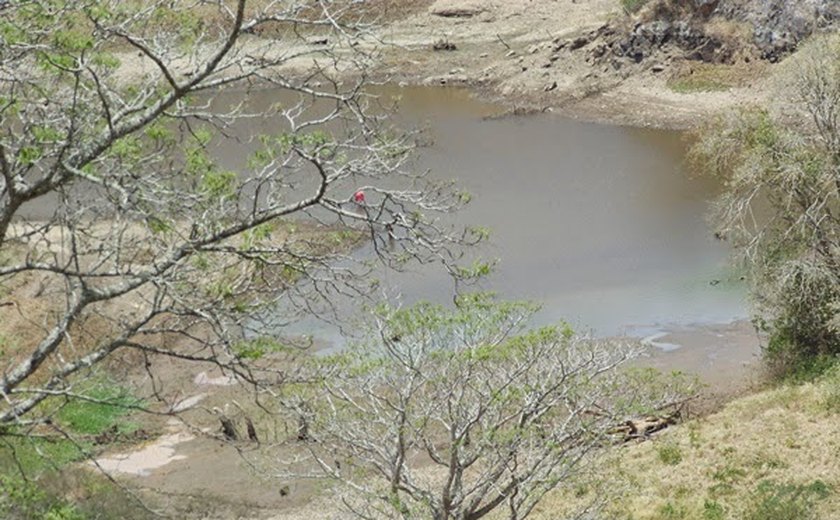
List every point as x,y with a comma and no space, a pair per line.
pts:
599,224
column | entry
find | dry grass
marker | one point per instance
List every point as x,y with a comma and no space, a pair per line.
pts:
777,440
731,32
694,76
33,302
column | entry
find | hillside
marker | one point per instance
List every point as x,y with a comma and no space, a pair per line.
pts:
644,63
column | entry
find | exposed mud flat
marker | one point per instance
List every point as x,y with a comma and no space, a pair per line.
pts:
144,461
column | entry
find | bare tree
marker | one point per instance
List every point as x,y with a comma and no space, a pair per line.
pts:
115,206
456,414
781,205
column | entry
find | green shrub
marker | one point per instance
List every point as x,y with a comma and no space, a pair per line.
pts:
672,512
794,279
712,510
669,454
725,479
774,501
108,403
24,499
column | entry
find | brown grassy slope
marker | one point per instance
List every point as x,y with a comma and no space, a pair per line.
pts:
745,462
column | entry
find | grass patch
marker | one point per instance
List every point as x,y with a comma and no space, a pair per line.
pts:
771,455
35,472
32,457
670,511
669,454
831,389
20,498
712,510
712,77
23,461
725,480
259,347
633,6
108,404
774,501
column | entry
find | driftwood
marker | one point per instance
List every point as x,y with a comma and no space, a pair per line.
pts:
645,427
642,428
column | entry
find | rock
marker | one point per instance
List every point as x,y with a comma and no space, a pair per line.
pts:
705,7
657,67
578,42
550,87
449,79
510,54
648,38
779,26
228,429
457,8
318,40
444,45
483,55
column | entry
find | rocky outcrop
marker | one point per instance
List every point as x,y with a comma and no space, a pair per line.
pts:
781,25
647,38
774,29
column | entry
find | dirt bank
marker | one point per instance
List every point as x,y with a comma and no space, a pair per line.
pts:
670,65
595,61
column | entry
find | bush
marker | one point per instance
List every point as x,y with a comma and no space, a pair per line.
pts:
778,210
773,501
712,510
23,499
108,404
669,454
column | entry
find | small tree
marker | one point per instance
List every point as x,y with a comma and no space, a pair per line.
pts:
114,204
781,205
456,414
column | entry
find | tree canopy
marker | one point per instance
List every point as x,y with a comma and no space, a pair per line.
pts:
119,208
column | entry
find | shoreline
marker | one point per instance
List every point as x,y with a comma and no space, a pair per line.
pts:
506,53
